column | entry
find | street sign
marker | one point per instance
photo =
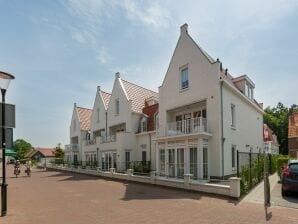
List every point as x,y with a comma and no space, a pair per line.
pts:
10,115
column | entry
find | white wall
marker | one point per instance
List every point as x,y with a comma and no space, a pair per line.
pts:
203,85
124,115
248,129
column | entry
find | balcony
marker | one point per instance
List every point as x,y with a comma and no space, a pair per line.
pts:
185,127
72,147
107,139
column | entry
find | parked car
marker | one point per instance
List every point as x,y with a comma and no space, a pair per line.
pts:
289,178
11,161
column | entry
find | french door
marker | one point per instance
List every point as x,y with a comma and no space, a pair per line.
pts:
180,162
193,160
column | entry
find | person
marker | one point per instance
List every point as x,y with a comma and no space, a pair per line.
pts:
28,167
17,167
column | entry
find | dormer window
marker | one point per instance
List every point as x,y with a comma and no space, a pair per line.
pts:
117,106
249,91
184,79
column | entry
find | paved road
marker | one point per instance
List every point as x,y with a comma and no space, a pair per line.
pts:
53,197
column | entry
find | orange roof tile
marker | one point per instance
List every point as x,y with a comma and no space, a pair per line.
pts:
293,125
137,95
106,98
84,118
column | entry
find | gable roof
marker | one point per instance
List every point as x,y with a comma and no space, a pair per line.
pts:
106,97
84,118
46,152
137,94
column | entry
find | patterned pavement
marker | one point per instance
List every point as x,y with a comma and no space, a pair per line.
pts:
55,197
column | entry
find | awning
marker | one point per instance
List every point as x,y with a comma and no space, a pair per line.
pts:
10,152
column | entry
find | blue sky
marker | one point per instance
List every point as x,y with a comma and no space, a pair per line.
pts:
59,51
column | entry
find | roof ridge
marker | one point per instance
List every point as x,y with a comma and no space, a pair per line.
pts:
106,92
139,86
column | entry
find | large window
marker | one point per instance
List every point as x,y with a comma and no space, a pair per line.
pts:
193,159
97,115
161,162
233,156
144,155
184,78
117,106
127,159
233,121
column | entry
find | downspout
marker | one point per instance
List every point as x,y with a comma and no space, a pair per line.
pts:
222,129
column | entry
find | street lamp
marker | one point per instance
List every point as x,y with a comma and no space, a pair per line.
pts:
4,83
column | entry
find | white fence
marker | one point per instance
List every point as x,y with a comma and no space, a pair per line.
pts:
232,189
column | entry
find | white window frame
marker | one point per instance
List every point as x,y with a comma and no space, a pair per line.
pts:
97,111
233,157
233,116
181,76
117,106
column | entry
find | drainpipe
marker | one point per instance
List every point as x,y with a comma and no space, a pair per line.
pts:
222,134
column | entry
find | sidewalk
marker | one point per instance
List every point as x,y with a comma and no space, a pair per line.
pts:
257,194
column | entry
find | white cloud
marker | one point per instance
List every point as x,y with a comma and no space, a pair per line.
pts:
103,56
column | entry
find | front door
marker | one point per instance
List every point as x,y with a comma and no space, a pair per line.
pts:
172,163
180,163
193,159
127,159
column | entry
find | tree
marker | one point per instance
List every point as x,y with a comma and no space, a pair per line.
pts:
59,153
22,147
277,119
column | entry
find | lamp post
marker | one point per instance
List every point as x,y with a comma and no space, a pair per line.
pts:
5,79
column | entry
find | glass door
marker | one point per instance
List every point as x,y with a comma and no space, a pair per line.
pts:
114,157
180,163
127,160
162,162
171,162
193,160
205,162
187,119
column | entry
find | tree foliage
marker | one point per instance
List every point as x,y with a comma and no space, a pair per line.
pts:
59,153
22,147
277,119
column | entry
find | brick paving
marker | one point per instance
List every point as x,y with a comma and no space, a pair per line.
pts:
54,197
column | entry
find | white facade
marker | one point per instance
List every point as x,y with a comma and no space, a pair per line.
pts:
204,99
204,116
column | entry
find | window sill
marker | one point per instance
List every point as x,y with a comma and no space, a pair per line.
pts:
233,128
183,90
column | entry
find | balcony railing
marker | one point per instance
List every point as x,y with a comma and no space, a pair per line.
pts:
187,126
106,139
72,147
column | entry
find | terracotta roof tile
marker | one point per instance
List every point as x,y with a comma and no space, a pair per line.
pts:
106,98
47,152
85,118
293,125
138,95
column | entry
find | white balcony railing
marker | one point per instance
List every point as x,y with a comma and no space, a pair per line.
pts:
111,138
188,126
72,147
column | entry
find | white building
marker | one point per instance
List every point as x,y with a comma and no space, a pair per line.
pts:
204,116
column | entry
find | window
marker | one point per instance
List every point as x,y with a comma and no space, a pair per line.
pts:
74,125
97,115
233,156
184,78
127,160
144,125
117,106
233,115
144,156
156,121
